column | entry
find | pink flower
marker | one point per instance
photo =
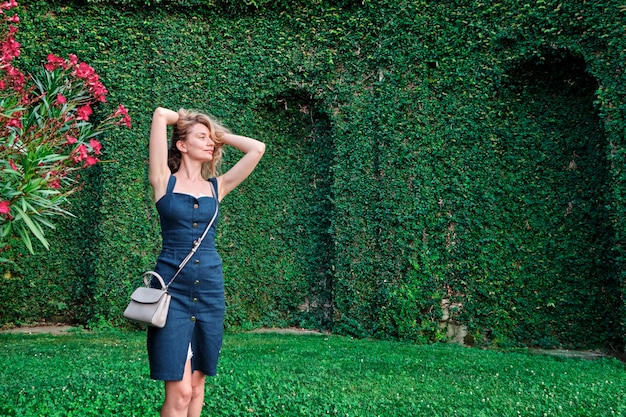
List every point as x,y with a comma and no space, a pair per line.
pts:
4,207
10,49
16,77
8,4
92,80
15,122
84,112
55,62
73,59
13,166
89,161
84,71
2,85
95,145
99,91
70,139
121,111
82,151
61,99
55,183
14,19
79,153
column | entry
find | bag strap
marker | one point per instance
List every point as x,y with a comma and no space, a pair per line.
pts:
147,277
196,245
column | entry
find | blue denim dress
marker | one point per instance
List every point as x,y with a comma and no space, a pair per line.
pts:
197,306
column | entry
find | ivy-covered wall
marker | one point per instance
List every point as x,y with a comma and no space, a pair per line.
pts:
418,153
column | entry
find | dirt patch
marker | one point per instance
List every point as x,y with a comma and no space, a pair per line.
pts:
64,328
50,329
289,330
579,354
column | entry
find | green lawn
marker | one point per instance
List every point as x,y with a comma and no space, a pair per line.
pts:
106,374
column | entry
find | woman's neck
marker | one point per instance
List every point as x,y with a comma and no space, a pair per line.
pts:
190,173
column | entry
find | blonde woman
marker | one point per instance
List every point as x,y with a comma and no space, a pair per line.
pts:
186,189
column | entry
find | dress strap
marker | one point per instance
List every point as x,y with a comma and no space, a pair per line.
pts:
213,181
170,185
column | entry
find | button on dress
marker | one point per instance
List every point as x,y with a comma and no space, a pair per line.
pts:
197,306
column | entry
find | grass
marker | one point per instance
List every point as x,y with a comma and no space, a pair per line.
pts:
106,374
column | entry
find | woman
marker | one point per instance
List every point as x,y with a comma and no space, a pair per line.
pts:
186,350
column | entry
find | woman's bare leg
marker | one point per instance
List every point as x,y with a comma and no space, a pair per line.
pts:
178,395
197,394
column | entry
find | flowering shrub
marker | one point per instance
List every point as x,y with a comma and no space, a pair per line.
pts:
46,136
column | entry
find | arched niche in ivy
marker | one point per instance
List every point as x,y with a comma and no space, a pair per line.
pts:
552,178
296,177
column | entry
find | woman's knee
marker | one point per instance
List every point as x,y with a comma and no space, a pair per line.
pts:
179,395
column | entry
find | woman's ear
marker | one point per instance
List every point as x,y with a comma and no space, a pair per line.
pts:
181,146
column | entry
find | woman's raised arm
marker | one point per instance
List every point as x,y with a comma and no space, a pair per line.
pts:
253,150
159,172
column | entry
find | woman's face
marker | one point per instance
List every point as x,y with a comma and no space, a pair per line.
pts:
198,144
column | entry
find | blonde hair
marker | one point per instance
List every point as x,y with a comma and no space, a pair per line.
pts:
187,119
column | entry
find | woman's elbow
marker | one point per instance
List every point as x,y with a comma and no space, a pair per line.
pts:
159,112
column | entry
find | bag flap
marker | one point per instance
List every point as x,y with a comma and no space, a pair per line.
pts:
147,295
